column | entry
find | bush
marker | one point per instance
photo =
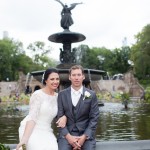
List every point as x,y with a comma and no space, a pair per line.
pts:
21,98
147,94
105,95
3,147
145,82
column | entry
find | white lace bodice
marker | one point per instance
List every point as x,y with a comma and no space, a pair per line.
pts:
43,108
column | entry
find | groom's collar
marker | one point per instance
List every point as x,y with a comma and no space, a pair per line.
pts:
80,90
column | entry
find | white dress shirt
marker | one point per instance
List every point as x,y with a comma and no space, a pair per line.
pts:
75,95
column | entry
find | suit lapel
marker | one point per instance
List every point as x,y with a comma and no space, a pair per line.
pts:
69,100
81,102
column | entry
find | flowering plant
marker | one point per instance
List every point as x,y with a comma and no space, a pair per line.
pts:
124,96
125,99
86,95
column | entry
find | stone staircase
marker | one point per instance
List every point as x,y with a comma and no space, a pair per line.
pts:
135,98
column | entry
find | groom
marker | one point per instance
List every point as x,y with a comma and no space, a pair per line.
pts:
80,106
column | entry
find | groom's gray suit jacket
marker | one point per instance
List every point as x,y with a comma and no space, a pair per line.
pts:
85,118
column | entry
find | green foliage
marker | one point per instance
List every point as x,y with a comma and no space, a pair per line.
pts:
141,53
104,96
95,57
46,62
99,96
39,54
117,96
3,147
147,94
13,58
88,57
145,83
112,61
22,98
124,96
9,49
119,63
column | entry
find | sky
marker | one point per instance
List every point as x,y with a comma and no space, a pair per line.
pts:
103,22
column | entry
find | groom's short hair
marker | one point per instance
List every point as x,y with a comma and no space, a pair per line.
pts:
76,67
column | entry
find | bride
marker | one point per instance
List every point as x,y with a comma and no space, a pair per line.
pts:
35,129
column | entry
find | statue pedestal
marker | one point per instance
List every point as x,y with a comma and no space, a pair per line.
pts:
67,54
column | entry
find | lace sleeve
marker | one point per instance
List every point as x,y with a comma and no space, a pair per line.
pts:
35,104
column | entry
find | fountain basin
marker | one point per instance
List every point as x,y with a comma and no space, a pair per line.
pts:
66,36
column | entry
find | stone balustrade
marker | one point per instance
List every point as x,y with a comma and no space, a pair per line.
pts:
115,145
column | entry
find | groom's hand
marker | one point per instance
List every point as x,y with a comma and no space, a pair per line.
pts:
73,140
82,139
77,145
61,122
76,148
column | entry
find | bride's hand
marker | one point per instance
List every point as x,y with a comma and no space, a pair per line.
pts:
61,122
19,146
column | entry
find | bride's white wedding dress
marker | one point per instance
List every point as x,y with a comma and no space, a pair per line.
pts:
43,109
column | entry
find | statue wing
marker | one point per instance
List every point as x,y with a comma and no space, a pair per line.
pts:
74,4
60,2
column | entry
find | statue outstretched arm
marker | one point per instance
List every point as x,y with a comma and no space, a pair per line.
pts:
60,2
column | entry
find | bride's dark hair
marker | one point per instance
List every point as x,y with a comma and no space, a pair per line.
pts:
47,73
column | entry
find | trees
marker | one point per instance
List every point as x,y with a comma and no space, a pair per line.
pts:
9,51
13,58
141,53
112,61
119,62
93,58
89,59
40,55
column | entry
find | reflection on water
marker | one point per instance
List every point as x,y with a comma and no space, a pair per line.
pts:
115,123
9,123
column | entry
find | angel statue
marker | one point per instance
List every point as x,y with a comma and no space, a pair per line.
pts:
66,19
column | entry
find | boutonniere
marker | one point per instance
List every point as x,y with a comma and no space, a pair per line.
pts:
86,95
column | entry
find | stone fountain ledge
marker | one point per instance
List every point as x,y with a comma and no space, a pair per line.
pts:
115,145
